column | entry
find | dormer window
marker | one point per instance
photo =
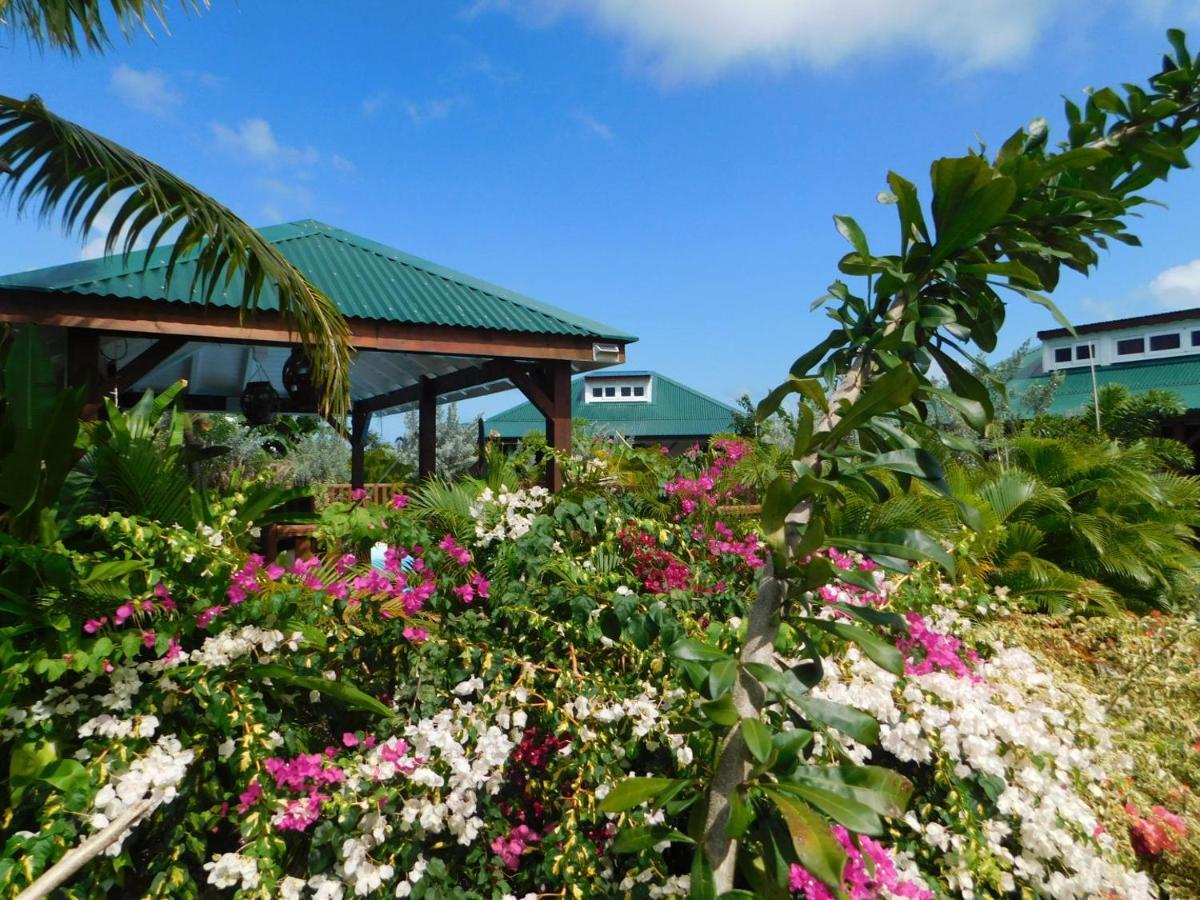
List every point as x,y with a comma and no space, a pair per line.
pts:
617,388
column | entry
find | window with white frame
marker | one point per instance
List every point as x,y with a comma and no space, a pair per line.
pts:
610,389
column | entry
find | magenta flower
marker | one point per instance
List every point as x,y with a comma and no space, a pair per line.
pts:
148,638
124,611
174,651
399,501
206,616
249,796
350,739
275,571
358,494
459,554
416,634
91,626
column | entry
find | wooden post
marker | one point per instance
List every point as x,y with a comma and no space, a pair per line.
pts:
558,420
83,368
427,429
358,442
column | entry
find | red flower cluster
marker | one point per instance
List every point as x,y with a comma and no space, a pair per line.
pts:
1153,835
660,570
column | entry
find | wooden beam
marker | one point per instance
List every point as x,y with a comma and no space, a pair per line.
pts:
535,386
83,369
427,429
558,422
223,325
494,370
144,363
359,420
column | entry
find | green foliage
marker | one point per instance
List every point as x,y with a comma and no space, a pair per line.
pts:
1100,521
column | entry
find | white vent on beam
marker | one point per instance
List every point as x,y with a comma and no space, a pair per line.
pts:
606,352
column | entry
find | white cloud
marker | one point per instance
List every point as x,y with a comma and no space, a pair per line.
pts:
698,39
1177,287
147,90
1098,309
254,139
373,103
593,125
430,110
341,164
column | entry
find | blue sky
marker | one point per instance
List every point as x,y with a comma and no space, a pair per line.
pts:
668,166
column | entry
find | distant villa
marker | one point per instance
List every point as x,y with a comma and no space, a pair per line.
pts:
642,406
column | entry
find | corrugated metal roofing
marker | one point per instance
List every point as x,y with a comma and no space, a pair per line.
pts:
1180,375
674,410
366,279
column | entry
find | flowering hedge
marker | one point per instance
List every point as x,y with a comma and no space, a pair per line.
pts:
452,707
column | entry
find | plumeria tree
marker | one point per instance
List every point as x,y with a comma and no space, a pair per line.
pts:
61,170
998,225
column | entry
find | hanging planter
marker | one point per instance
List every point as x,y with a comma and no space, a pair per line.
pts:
259,400
298,381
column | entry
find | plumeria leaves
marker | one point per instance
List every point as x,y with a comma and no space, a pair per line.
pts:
814,843
631,792
758,738
631,840
341,691
880,651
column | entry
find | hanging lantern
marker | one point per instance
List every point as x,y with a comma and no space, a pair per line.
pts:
297,379
259,402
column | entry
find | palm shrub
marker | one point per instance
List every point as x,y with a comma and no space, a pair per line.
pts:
1101,521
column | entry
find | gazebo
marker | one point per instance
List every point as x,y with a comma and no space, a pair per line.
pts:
423,334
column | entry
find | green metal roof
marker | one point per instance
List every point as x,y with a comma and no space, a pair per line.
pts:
366,279
674,410
1180,375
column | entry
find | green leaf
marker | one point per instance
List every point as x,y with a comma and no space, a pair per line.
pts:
846,719
899,543
721,677
783,683
888,392
721,711
703,887
789,745
883,790
966,385
1044,301
631,792
909,461
741,816
973,412
26,762
113,570
693,650
631,840
815,845
66,774
850,230
882,653
838,804
908,206
968,199
806,387
801,366
342,691
758,738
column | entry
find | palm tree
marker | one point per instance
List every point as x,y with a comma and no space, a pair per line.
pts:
61,170
1102,521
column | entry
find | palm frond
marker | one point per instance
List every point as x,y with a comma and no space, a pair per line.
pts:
72,26
65,171
446,504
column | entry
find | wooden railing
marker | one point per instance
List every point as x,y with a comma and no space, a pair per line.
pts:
376,493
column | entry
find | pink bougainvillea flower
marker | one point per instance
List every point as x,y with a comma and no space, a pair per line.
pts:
358,494
147,605
108,667
459,554
174,651
148,639
123,612
275,571
510,847
206,616
416,634
91,626
249,796
350,739
399,501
